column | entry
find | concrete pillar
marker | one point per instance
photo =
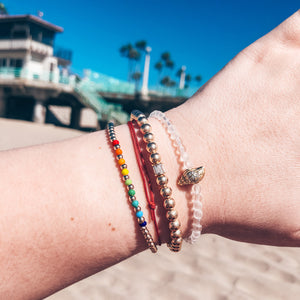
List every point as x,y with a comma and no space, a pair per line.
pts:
144,90
2,104
182,78
39,112
26,69
75,117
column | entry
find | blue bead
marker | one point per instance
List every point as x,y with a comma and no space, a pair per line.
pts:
143,224
139,214
135,203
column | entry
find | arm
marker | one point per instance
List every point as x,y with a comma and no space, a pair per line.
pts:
64,213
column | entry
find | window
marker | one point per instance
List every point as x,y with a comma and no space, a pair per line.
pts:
3,62
15,63
19,31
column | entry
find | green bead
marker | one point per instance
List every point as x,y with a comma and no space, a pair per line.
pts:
135,203
128,182
131,192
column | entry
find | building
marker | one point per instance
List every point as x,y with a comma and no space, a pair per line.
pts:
27,48
35,82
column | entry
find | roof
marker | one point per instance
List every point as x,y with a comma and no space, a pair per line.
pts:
32,19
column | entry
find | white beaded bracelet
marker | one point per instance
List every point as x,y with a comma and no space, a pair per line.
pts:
184,159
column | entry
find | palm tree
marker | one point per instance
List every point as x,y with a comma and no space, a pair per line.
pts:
172,83
3,10
198,78
170,64
136,76
179,72
125,52
188,79
165,56
141,45
159,66
165,81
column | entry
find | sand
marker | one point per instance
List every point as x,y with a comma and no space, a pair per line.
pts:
213,268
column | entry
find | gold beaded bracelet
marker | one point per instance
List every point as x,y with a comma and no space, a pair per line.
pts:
161,180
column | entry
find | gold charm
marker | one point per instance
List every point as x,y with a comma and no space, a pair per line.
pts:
191,176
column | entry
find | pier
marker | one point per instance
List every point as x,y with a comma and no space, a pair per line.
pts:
37,84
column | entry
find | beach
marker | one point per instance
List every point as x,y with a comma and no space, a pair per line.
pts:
214,268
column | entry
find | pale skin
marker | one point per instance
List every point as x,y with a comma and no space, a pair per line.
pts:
64,213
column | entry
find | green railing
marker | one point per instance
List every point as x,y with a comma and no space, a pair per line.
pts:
105,83
88,91
7,72
24,73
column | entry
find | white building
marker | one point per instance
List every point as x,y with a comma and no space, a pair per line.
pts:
34,79
26,49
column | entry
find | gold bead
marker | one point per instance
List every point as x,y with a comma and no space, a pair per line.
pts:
155,158
171,215
175,249
176,234
141,220
176,242
142,120
166,191
174,225
145,128
169,203
162,180
151,147
148,137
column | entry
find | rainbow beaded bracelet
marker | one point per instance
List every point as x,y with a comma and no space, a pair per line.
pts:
130,187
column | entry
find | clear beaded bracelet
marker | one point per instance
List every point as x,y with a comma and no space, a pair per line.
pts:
190,175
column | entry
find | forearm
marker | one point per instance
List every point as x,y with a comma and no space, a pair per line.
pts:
65,213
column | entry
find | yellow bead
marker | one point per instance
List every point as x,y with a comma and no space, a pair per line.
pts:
125,172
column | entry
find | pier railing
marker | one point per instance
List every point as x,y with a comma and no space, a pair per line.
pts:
97,81
24,73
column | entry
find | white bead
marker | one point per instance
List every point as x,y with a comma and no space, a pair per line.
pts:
185,156
197,227
197,205
171,129
196,234
197,214
181,149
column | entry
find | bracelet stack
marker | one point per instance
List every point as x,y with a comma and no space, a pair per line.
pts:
130,187
161,179
189,176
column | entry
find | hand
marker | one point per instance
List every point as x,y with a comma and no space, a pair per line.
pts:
245,128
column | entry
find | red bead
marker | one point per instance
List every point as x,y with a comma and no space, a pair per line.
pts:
115,142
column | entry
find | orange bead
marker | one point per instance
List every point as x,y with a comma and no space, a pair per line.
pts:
119,151
121,161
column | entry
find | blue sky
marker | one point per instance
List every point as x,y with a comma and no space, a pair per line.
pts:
203,35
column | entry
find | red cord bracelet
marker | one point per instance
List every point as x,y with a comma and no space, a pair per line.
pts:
145,177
